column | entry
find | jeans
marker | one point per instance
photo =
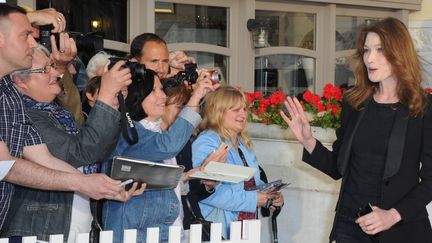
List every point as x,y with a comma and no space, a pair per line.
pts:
348,231
150,209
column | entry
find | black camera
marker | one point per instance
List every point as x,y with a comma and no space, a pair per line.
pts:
87,44
190,74
137,70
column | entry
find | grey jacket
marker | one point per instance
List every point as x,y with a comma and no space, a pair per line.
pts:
43,213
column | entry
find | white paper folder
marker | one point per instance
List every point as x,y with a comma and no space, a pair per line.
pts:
218,171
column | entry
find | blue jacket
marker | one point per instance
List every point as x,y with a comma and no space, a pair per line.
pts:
231,198
152,208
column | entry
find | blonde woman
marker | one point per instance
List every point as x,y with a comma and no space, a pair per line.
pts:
225,120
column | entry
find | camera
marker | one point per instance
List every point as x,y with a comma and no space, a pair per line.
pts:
190,74
137,70
87,44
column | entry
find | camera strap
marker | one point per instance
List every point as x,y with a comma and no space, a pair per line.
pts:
126,123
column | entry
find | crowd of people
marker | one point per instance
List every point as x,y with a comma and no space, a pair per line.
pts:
56,149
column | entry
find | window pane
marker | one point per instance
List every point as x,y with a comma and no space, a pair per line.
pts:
111,14
344,75
288,29
211,61
292,74
346,30
192,23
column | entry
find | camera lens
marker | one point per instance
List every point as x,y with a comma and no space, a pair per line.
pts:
215,76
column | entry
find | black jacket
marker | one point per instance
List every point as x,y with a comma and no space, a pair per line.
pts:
407,181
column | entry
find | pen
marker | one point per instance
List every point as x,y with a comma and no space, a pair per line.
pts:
126,182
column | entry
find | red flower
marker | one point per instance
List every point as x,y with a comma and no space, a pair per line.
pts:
265,102
261,109
277,98
316,99
258,95
319,107
307,96
332,92
250,97
335,109
329,104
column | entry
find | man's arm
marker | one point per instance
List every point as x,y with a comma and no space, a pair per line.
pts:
48,16
29,174
41,155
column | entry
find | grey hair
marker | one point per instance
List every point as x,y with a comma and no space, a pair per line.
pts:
100,59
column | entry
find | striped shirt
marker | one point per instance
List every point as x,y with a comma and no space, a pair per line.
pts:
16,131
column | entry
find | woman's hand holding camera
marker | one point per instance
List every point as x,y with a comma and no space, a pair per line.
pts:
113,81
200,89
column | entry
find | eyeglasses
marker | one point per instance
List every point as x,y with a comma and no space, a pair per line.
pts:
45,69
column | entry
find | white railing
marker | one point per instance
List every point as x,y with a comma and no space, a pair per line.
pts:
251,234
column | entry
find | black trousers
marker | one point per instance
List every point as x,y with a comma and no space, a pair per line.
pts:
348,231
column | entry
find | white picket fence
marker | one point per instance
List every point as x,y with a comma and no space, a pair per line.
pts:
251,234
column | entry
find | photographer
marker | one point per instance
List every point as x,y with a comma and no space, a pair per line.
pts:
152,51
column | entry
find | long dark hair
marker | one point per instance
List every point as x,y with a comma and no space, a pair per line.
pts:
398,48
137,92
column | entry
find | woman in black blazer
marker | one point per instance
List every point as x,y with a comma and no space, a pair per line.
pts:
383,151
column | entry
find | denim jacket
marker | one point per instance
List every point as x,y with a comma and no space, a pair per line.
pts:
43,213
230,197
152,208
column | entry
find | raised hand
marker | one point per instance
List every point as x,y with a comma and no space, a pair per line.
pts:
298,123
200,89
48,16
113,81
64,54
219,155
177,61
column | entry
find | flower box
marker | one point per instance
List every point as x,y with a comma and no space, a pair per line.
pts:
263,131
321,111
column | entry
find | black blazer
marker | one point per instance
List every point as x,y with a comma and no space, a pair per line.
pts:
407,181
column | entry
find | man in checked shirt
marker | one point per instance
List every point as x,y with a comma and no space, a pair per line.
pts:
18,139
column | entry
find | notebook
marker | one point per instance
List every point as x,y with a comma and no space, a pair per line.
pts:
158,176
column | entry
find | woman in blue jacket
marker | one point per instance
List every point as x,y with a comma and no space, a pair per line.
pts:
159,208
225,119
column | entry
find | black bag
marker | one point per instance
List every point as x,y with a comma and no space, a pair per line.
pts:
96,228
94,232
206,225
